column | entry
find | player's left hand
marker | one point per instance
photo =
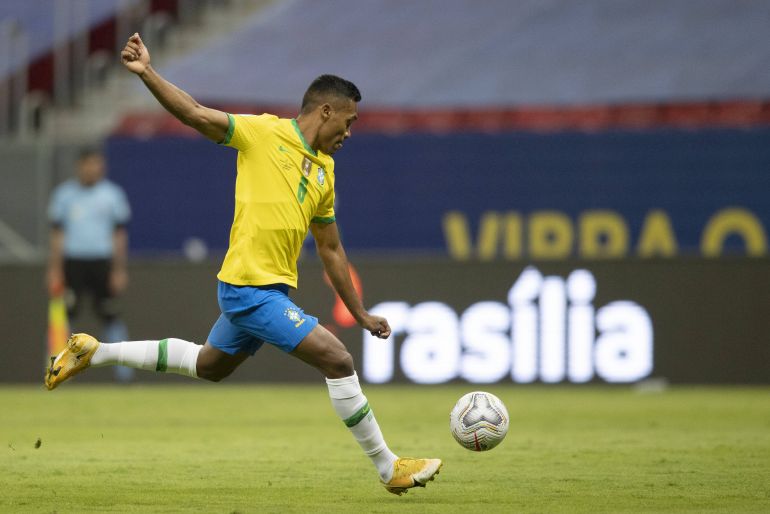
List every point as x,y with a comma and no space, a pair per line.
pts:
376,325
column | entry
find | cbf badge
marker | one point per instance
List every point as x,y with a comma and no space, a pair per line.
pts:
294,316
321,177
306,165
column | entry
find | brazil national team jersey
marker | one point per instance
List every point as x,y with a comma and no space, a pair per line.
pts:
282,186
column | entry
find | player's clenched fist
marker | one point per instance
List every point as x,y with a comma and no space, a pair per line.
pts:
377,326
135,56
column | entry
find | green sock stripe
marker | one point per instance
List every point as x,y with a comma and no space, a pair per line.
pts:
162,356
356,418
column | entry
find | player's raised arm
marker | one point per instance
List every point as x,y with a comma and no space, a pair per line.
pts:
210,122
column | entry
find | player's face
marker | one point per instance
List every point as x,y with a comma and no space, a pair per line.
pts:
90,169
336,129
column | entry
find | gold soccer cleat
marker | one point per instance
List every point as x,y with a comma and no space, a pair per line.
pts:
409,473
72,360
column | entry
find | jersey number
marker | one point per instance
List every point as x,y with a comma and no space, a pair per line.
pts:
302,190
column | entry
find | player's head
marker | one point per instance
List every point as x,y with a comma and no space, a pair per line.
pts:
90,166
333,99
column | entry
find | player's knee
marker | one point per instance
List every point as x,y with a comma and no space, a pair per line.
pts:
339,365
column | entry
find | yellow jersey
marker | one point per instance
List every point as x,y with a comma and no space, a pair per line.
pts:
281,187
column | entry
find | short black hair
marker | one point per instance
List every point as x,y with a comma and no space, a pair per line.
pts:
328,85
90,151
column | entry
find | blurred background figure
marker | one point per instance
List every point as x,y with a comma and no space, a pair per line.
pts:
89,246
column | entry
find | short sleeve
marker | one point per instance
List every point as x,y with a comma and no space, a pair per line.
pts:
121,210
244,130
57,207
325,212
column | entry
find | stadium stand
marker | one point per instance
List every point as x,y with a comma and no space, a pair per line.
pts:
452,53
431,65
52,54
43,27
57,58
454,64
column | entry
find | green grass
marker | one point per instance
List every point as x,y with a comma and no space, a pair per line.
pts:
221,448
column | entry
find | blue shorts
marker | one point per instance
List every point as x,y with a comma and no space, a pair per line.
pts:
253,315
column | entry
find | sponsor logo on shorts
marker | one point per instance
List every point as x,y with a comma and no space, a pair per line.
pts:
294,316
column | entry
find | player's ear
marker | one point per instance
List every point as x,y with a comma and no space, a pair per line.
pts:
326,111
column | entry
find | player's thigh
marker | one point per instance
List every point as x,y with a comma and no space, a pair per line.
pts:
229,338
322,350
227,346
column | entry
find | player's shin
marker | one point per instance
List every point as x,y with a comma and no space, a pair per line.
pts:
351,405
167,356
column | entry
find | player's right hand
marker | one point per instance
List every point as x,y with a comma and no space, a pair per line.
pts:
135,55
376,325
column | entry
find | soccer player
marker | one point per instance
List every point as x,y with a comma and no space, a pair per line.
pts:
284,186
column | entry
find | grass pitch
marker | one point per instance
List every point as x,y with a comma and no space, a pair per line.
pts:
262,449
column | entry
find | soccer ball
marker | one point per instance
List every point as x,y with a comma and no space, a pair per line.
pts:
479,421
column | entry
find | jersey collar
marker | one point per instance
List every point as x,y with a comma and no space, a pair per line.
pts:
302,138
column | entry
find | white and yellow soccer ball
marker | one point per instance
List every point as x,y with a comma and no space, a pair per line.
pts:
479,421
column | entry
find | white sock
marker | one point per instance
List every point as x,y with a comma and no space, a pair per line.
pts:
167,356
351,405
